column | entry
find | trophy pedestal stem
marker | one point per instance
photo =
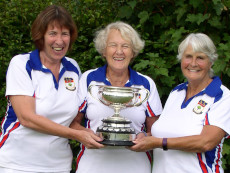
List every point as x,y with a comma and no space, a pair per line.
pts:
117,109
116,115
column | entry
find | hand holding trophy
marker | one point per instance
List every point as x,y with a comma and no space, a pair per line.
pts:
116,130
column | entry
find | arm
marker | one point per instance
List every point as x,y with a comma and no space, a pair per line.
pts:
24,107
153,107
207,140
149,122
76,123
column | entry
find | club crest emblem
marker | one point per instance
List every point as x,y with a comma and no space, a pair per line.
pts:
69,83
200,107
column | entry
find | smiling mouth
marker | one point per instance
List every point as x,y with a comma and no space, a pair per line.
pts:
191,70
58,48
118,59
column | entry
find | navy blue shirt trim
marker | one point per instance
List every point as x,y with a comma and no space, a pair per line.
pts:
99,75
212,90
34,63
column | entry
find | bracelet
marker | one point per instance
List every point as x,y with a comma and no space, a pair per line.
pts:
164,144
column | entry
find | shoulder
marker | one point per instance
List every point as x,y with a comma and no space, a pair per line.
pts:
178,91
72,65
18,63
180,87
137,78
72,61
88,72
20,59
147,79
226,92
86,75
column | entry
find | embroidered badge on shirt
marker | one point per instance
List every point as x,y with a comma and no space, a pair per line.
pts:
200,107
69,83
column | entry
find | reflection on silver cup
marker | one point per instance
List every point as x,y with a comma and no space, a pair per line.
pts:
116,130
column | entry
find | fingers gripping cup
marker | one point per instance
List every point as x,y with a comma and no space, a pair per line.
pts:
116,130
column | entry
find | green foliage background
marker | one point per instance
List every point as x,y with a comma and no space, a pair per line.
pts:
163,24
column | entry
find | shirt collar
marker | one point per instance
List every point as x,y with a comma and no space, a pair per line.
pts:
135,79
36,64
212,90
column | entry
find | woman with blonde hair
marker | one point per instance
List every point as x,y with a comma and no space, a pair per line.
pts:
119,44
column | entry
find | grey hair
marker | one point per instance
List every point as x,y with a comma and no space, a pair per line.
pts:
127,32
200,43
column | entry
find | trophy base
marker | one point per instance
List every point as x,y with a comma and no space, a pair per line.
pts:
116,131
117,143
116,136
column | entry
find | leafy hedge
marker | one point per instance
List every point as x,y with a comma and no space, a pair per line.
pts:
161,23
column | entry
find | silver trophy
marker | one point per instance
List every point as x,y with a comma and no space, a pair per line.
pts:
116,130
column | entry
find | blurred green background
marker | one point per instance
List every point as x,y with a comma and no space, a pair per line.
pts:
163,24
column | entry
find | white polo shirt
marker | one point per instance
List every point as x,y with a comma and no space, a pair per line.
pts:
115,159
22,148
179,118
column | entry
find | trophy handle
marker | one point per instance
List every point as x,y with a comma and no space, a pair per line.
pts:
146,97
89,90
96,97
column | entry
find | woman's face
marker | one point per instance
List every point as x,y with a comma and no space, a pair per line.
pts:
195,65
118,52
56,42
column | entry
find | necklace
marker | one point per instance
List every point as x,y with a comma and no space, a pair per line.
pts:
118,81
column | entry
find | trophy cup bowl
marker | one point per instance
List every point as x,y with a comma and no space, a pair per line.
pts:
116,130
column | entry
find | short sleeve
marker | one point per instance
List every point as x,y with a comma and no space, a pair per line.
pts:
82,92
154,106
18,80
219,113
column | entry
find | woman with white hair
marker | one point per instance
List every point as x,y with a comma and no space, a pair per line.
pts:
189,135
119,44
